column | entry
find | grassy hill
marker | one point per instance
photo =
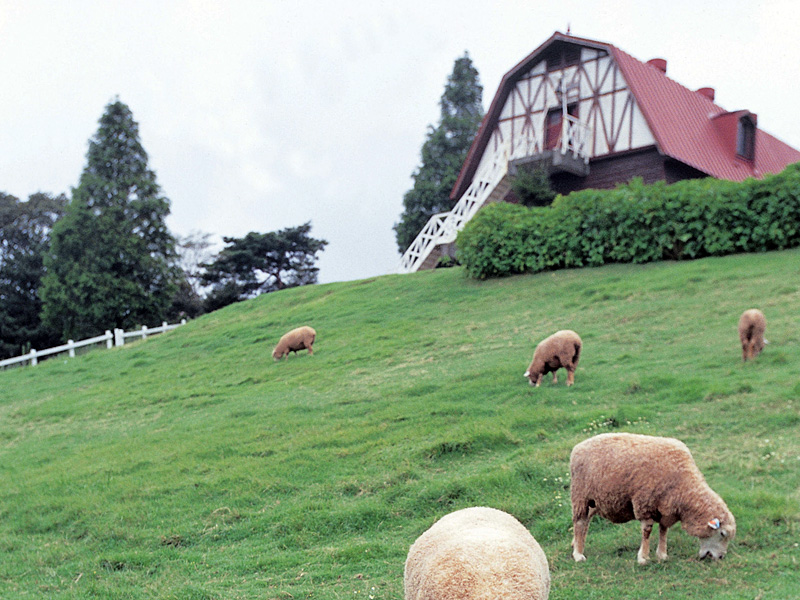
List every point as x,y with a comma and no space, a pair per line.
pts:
191,466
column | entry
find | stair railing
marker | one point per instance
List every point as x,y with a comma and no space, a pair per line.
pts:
442,228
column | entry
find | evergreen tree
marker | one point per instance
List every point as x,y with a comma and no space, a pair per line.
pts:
111,261
24,238
443,152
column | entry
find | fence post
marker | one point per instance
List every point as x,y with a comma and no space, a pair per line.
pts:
71,345
119,337
183,322
109,337
144,332
34,362
164,327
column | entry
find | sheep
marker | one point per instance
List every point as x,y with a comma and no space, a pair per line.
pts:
297,339
476,553
625,476
752,325
562,349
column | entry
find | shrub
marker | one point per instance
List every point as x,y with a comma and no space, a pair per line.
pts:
532,187
446,262
635,223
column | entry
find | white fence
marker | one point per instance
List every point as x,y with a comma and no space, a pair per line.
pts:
117,338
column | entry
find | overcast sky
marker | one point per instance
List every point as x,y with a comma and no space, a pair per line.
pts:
260,115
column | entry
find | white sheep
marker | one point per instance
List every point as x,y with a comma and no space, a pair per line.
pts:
752,325
562,349
297,339
625,476
476,553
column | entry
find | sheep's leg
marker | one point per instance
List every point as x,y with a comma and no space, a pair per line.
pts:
555,379
538,380
661,551
644,550
310,349
580,527
570,377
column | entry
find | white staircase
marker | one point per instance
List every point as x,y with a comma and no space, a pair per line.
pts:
490,184
442,228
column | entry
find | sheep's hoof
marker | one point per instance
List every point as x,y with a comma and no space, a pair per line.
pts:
661,556
578,557
642,560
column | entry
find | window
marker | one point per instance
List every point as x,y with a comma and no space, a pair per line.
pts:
561,56
746,138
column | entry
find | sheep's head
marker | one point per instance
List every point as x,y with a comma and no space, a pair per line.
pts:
715,545
534,378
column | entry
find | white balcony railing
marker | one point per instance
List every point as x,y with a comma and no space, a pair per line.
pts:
575,137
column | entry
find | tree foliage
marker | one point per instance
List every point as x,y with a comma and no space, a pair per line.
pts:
260,263
532,187
443,152
24,237
193,252
111,261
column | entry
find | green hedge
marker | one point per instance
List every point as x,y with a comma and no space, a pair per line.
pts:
635,223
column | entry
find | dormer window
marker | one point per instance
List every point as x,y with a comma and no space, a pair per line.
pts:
746,138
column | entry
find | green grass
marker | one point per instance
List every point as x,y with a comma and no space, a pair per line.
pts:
191,466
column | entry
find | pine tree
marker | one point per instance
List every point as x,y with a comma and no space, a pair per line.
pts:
443,152
260,263
111,260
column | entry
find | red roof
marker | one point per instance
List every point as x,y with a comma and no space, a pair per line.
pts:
687,125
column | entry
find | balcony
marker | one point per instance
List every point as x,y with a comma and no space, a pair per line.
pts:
569,153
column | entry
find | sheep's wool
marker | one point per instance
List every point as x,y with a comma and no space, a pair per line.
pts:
476,554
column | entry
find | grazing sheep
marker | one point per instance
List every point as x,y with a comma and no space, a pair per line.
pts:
474,554
562,349
624,476
297,339
752,325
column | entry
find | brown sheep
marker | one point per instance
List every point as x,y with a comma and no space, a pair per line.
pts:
473,554
562,349
624,476
752,325
297,339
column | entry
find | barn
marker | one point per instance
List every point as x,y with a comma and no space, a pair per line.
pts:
594,116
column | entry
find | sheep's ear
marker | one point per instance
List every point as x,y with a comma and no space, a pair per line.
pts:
714,523
527,374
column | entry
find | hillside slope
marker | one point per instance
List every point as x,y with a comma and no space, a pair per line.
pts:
191,465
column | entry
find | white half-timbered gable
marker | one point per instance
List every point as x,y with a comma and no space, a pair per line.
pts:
596,93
